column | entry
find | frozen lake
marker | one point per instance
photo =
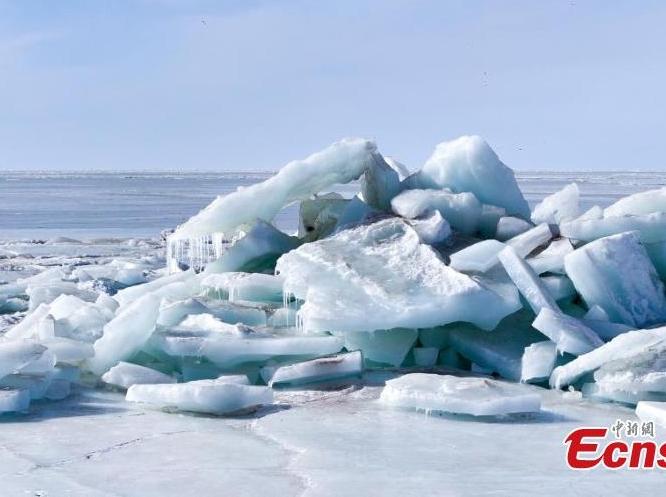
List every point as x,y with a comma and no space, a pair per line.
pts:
312,443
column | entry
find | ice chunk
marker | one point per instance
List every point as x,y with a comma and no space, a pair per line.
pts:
461,210
468,164
342,162
538,361
30,325
643,372
45,294
638,203
203,396
172,313
125,334
623,346
14,400
323,369
42,365
597,313
558,207
380,276
230,349
651,227
569,334
380,183
490,216
233,312
255,287
356,212
510,227
432,228
385,347
500,350
398,167
605,329
478,257
594,212
257,250
15,354
552,258
475,396
529,284
526,242
131,294
425,356
318,216
36,384
125,374
616,274
652,411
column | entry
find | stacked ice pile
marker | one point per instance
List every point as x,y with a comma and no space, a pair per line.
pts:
446,268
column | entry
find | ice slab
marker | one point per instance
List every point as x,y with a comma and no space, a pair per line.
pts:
639,203
204,396
256,251
559,207
16,354
478,257
380,276
528,241
14,400
509,227
172,313
432,228
380,183
568,333
125,374
621,347
253,287
461,210
381,347
551,259
323,369
559,286
616,273
652,411
125,334
643,372
538,361
529,284
451,394
651,227
468,164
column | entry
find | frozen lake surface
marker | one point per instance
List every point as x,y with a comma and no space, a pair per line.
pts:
312,443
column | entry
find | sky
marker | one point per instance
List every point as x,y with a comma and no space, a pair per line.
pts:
244,84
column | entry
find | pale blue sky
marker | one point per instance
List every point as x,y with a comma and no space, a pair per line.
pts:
217,85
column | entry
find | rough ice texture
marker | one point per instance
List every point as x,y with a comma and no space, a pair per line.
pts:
432,228
623,346
558,207
638,203
468,164
319,370
651,227
478,257
461,210
381,276
616,273
569,334
652,411
342,162
529,284
205,396
125,374
451,394
643,372
538,361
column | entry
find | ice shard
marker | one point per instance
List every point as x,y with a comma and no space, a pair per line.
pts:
125,374
568,333
559,207
320,370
